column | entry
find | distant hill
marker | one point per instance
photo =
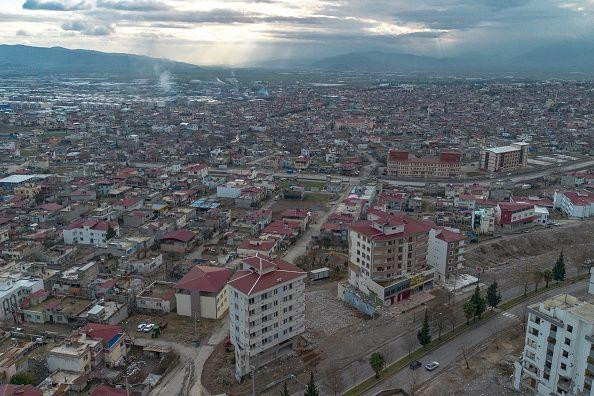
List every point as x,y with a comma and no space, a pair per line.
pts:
22,59
563,57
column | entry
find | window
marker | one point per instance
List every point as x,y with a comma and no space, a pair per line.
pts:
567,341
565,354
553,327
563,366
570,328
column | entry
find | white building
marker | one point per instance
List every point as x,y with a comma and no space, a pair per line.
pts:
70,356
483,221
13,291
577,204
542,214
445,251
558,357
231,189
88,232
202,292
267,311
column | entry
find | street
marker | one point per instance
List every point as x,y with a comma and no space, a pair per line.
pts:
451,351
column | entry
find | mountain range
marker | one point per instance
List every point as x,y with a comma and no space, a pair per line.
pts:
23,59
560,58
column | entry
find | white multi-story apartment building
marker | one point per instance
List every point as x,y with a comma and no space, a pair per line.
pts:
445,252
88,232
558,357
267,310
577,204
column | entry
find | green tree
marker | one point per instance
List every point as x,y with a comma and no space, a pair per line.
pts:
24,378
479,302
493,296
559,268
110,232
377,363
311,389
469,310
547,276
39,199
285,391
424,334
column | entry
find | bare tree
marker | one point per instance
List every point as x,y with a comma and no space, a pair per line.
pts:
414,385
332,380
524,275
450,315
463,347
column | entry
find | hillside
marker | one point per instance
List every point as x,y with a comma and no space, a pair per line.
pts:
22,59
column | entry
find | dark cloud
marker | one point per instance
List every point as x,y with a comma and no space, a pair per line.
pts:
88,29
22,33
133,5
56,5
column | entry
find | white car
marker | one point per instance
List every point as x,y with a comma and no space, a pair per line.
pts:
140,327
148,327
431,366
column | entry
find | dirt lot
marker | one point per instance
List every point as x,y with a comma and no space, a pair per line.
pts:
312,202
179,328
489,373
218,374
505,257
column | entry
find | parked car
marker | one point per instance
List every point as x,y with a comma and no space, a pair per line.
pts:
148,327
141,327
414,365
431,366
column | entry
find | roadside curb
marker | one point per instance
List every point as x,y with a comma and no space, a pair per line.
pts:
391,369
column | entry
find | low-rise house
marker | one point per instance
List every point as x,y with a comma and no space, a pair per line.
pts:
202,292
89,232
300,215
113,349
70,356
266,245
13,291
179,241
19,390
158,297
510,215
15,359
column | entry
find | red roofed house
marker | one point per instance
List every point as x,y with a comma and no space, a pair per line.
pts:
89,232
202,292
445,252
388,256
179,241
264,245
577,203
267,310
112,340
300,215
512,215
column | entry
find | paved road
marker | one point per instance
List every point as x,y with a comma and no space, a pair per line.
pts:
414,183
451,351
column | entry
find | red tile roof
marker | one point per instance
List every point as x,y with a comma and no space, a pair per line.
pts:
104,390
263,273
450,236
19,390
103,332
295,213
204,278
94,224
180,235
580,198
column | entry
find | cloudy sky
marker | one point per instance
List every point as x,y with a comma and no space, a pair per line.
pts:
240,32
